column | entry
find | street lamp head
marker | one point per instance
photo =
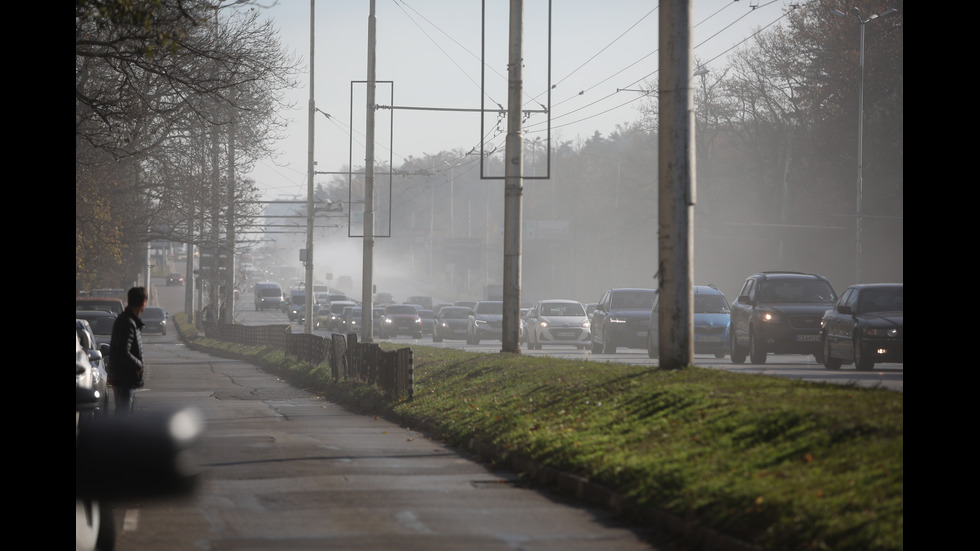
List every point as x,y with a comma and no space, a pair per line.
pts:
856,12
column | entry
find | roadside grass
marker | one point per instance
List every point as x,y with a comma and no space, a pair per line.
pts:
776,463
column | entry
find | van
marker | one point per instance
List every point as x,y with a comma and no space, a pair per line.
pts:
267,295
297,305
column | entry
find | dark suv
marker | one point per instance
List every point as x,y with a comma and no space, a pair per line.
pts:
779,312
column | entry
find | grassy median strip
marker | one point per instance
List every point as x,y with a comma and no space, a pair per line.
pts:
776,463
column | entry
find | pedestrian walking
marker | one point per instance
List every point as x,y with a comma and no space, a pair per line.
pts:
126,351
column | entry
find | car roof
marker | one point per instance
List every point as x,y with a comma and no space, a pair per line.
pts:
707,290
632,289
788,275
84,314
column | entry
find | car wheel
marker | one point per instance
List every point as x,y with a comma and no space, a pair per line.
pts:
829,361
756,354
596,347
738,355
653,349
862,361
719,355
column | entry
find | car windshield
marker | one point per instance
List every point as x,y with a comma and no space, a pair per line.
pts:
562,309
402,309
641,300
153,314
710,304
490,308
102,326
796,290
454,313
884,299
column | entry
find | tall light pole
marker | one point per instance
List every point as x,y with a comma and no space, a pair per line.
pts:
862,21
308,260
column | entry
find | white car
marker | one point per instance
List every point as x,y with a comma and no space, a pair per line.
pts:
558,322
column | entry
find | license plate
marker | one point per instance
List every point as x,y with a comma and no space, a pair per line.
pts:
641,333
565,334
808,338
707,339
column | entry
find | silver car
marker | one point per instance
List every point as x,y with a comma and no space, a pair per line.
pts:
558,322
89,344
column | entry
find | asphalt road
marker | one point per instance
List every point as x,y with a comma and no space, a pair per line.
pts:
285,469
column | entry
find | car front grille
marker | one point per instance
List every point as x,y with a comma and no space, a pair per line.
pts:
805,321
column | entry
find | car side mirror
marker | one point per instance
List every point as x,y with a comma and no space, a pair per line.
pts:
844,309
104,349
94,356
744,299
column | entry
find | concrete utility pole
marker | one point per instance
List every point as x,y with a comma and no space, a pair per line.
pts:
308,307
676,186
513,185
367,276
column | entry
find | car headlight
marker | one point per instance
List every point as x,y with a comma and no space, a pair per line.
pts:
769,316
881,332
543,324
586,324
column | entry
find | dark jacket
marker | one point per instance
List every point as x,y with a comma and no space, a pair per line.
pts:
125,365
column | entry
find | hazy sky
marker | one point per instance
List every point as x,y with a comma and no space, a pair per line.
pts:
603,55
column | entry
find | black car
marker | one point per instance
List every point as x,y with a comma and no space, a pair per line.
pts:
779,313
450,323
485,321
175,279
154,320
865,327
621,319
